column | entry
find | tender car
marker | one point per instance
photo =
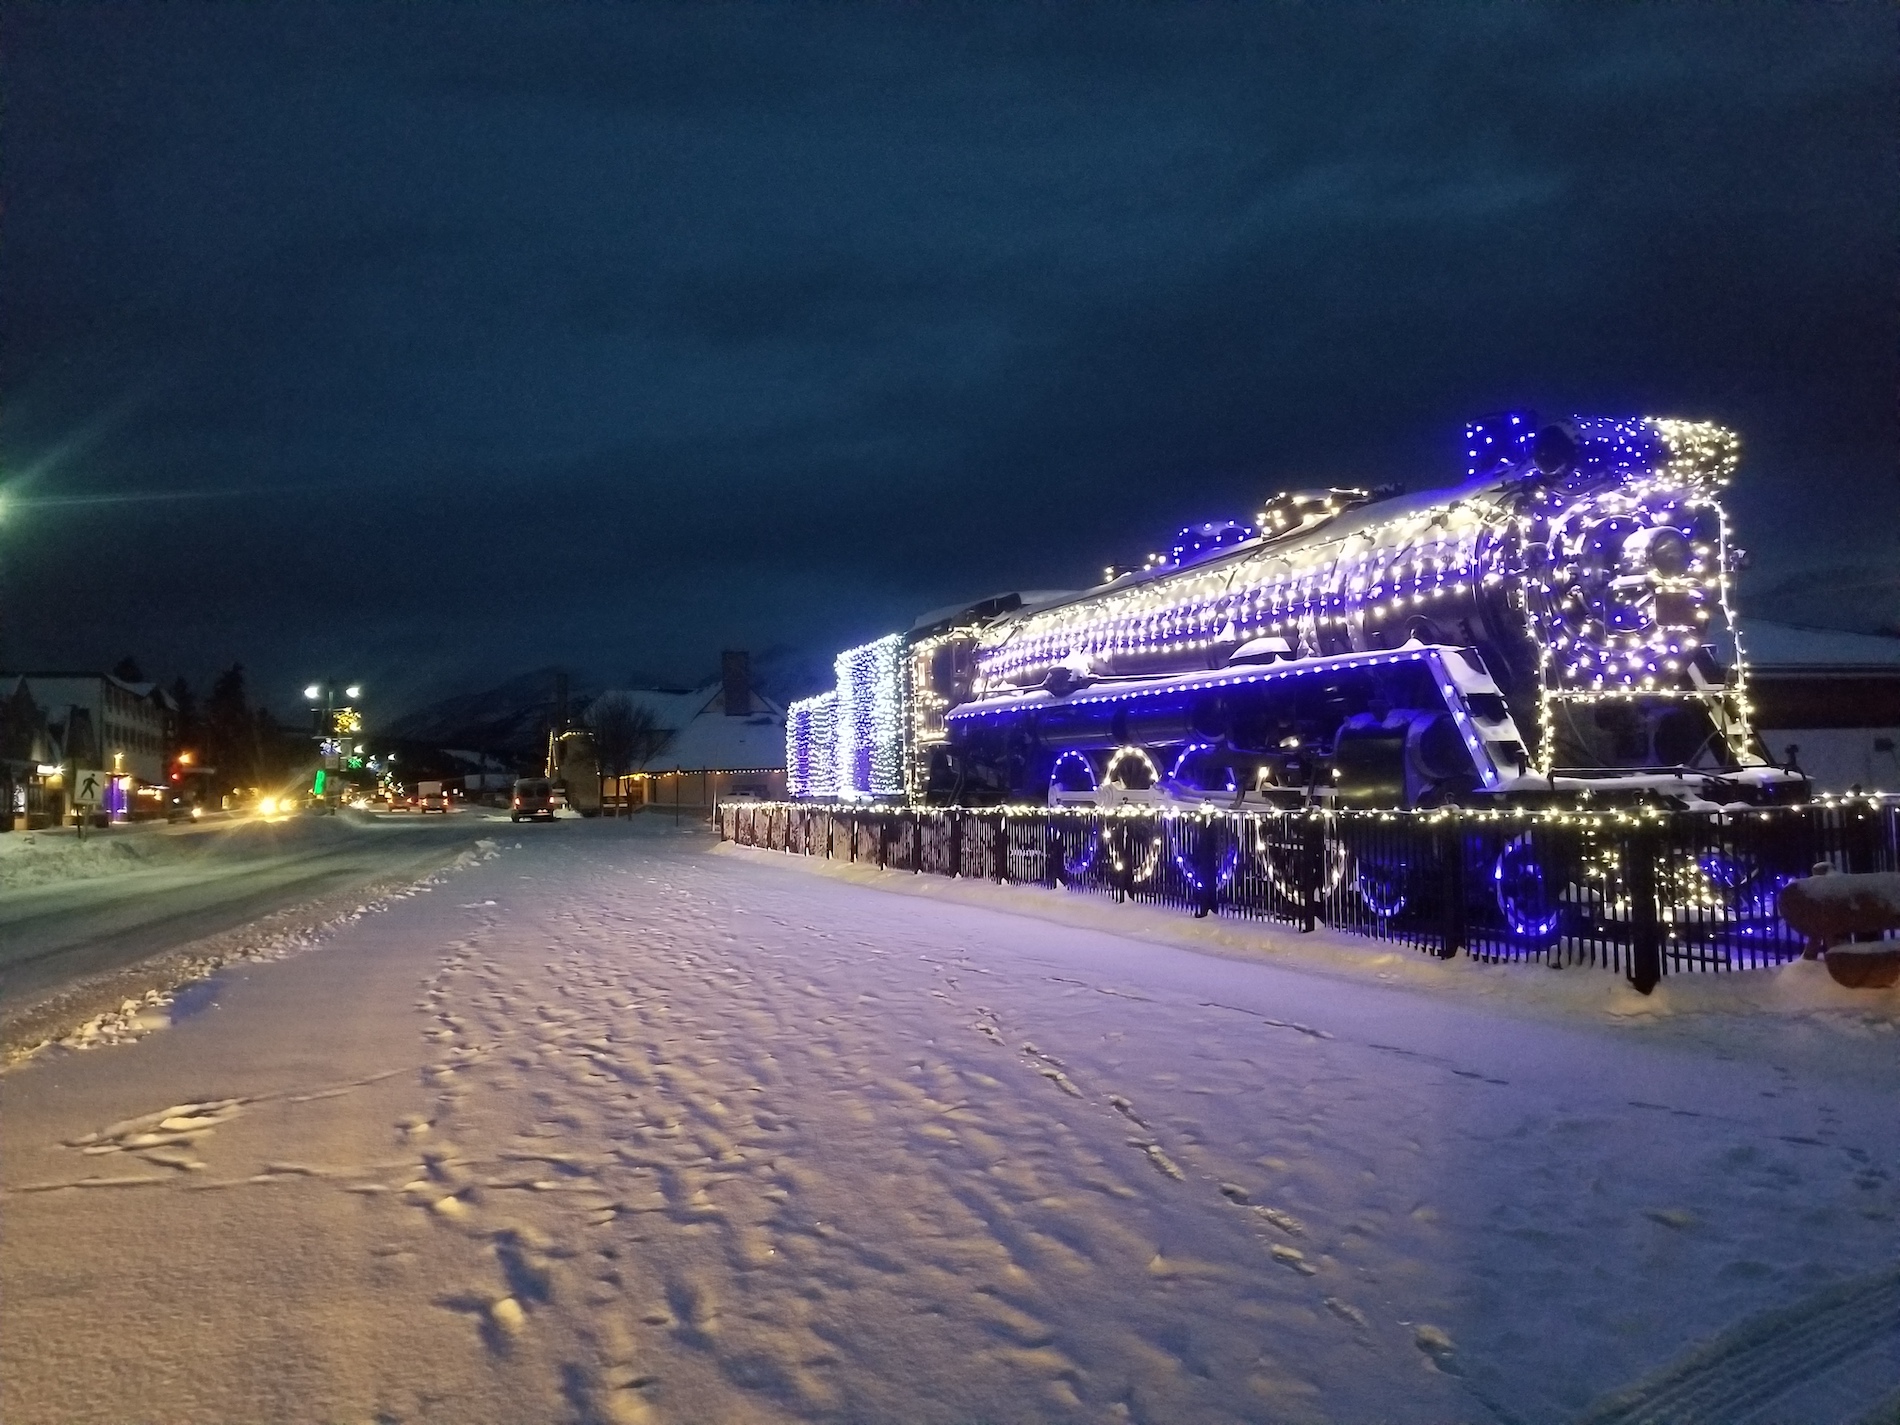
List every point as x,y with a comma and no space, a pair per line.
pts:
534,797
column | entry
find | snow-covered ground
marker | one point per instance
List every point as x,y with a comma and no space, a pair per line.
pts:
86,920
621,1127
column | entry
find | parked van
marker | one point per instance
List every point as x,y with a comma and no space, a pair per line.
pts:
534,797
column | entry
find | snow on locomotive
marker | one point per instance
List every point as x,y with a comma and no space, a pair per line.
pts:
1558,623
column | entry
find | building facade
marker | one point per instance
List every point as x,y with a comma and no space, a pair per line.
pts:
103,724
723,740
1829,702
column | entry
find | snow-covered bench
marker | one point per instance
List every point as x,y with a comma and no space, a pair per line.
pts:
1828,907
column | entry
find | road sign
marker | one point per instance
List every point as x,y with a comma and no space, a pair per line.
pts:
88,787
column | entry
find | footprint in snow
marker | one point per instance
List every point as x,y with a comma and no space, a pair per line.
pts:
1061,1081
1159,1160
1294,1258
1347,1311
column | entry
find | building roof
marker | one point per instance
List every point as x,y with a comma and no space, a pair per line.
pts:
704,739
137,690
1785,647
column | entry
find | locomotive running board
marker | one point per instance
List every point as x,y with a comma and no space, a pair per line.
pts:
1494,742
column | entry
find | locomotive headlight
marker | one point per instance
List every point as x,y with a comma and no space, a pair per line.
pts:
1660,550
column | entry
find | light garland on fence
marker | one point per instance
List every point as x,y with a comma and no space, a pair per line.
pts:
1626,817
1645,887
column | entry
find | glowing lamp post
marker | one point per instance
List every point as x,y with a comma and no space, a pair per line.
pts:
335,723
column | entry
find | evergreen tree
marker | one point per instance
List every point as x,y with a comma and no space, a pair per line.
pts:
278,753
188,730
230,730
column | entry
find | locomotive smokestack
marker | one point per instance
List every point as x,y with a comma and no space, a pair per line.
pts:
1554,451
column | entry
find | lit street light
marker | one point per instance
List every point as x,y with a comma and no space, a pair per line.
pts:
332,720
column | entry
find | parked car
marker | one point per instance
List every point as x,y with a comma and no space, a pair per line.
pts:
431,797
533,797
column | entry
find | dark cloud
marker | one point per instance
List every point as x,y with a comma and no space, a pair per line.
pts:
615,335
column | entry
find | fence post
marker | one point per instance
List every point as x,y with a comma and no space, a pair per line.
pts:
1646,942
883,826
917,843
999,849
1311,855
1207,867
956,842
1451,857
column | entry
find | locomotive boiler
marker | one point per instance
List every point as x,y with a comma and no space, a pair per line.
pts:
1557,625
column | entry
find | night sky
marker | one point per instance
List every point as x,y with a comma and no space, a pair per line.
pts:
429,344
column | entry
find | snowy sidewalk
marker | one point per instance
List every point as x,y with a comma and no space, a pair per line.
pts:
615,1128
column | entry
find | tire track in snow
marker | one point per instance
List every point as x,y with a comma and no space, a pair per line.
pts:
1760,1369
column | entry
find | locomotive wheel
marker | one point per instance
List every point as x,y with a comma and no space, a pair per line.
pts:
1281,854
1073,780
1131,769
1526,898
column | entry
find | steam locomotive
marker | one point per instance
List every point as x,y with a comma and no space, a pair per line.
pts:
1558,624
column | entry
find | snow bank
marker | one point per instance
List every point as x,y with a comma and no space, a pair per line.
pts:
276,936
1798,988
30,859
38,858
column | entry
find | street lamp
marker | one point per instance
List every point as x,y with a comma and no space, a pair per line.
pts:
333,719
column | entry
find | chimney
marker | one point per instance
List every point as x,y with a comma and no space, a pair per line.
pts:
735,672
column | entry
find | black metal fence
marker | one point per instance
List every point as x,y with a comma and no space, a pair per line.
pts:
1642,893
